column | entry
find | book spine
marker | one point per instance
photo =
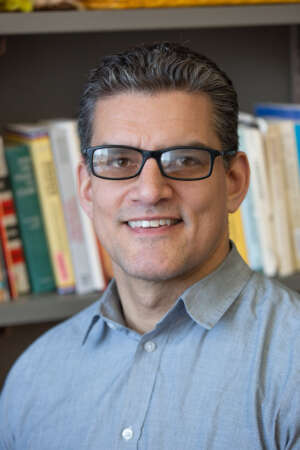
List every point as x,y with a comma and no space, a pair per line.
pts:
297,133
12,284
237,235
4,281
283,242
30,219
297,229
292,177
53,216
261,196
249,220
87,268
11,238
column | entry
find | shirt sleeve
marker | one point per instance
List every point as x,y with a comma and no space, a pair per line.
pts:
6,405
289,410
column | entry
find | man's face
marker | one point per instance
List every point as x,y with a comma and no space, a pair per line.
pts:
192,239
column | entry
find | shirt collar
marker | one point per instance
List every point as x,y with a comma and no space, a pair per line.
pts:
205,301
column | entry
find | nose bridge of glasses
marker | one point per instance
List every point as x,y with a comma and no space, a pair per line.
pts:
152,154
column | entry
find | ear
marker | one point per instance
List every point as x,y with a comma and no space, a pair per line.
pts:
84,183
237,179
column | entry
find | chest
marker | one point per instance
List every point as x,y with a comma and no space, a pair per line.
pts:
164,393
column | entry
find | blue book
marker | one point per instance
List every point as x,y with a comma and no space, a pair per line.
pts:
297,133
281,111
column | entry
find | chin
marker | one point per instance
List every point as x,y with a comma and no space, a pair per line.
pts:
154,273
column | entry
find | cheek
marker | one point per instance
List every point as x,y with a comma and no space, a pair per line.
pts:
102,207
208,200
207,211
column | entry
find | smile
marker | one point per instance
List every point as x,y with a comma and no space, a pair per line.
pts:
155,223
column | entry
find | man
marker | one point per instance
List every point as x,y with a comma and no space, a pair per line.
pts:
188,348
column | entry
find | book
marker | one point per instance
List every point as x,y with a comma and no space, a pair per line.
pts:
287,116
30,218
129,4
65,145
4,283
291,168
237,234
253,132
37,139
249,215
283,111
7,257
278,187
10,235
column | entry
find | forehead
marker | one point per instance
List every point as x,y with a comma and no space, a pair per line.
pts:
154,120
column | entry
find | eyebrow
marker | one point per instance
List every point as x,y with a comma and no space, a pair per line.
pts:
186,144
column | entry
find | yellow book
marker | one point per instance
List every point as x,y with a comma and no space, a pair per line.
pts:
236,233
128,4
38,141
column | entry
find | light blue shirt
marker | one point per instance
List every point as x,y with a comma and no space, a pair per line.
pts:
221,371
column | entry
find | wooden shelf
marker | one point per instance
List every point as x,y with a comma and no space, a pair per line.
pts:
148,19
43,308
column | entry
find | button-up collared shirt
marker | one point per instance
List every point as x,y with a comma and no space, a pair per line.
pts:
220,371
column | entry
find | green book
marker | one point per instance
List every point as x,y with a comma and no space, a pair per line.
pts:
30,219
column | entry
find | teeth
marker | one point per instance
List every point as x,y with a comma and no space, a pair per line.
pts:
151,223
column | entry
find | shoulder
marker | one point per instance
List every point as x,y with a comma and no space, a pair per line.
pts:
267,314
269,294
52,347
272,312
39,368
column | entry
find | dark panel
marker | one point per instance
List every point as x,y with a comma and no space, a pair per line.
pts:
14,340
41,76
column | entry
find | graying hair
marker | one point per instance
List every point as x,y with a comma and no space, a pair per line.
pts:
161,67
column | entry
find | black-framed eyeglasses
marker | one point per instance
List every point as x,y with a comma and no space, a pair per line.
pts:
121,162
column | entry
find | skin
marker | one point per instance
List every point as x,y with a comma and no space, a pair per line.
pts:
154,266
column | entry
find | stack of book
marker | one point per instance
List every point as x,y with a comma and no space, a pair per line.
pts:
47,241
266,229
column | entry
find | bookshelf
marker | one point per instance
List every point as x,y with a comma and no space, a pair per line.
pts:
148,19
43,308
47,56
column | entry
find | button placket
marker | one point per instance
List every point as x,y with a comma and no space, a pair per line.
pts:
139,388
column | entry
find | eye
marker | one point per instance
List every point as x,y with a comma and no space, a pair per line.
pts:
187,161
119,162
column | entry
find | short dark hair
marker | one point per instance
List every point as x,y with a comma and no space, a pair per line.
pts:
164,66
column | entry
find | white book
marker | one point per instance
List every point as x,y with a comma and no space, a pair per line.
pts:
84,248
292,177
255,150
279,193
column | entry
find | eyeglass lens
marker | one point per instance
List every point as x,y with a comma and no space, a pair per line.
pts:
178,163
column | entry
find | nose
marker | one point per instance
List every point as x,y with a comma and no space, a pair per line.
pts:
151,186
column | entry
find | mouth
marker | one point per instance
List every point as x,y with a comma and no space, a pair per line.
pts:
153,223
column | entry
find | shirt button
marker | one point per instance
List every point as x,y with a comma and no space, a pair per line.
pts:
111,325
150,346
127,434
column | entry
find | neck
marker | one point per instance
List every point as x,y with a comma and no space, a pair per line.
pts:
145,302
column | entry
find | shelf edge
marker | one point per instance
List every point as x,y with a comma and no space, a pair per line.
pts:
148,19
